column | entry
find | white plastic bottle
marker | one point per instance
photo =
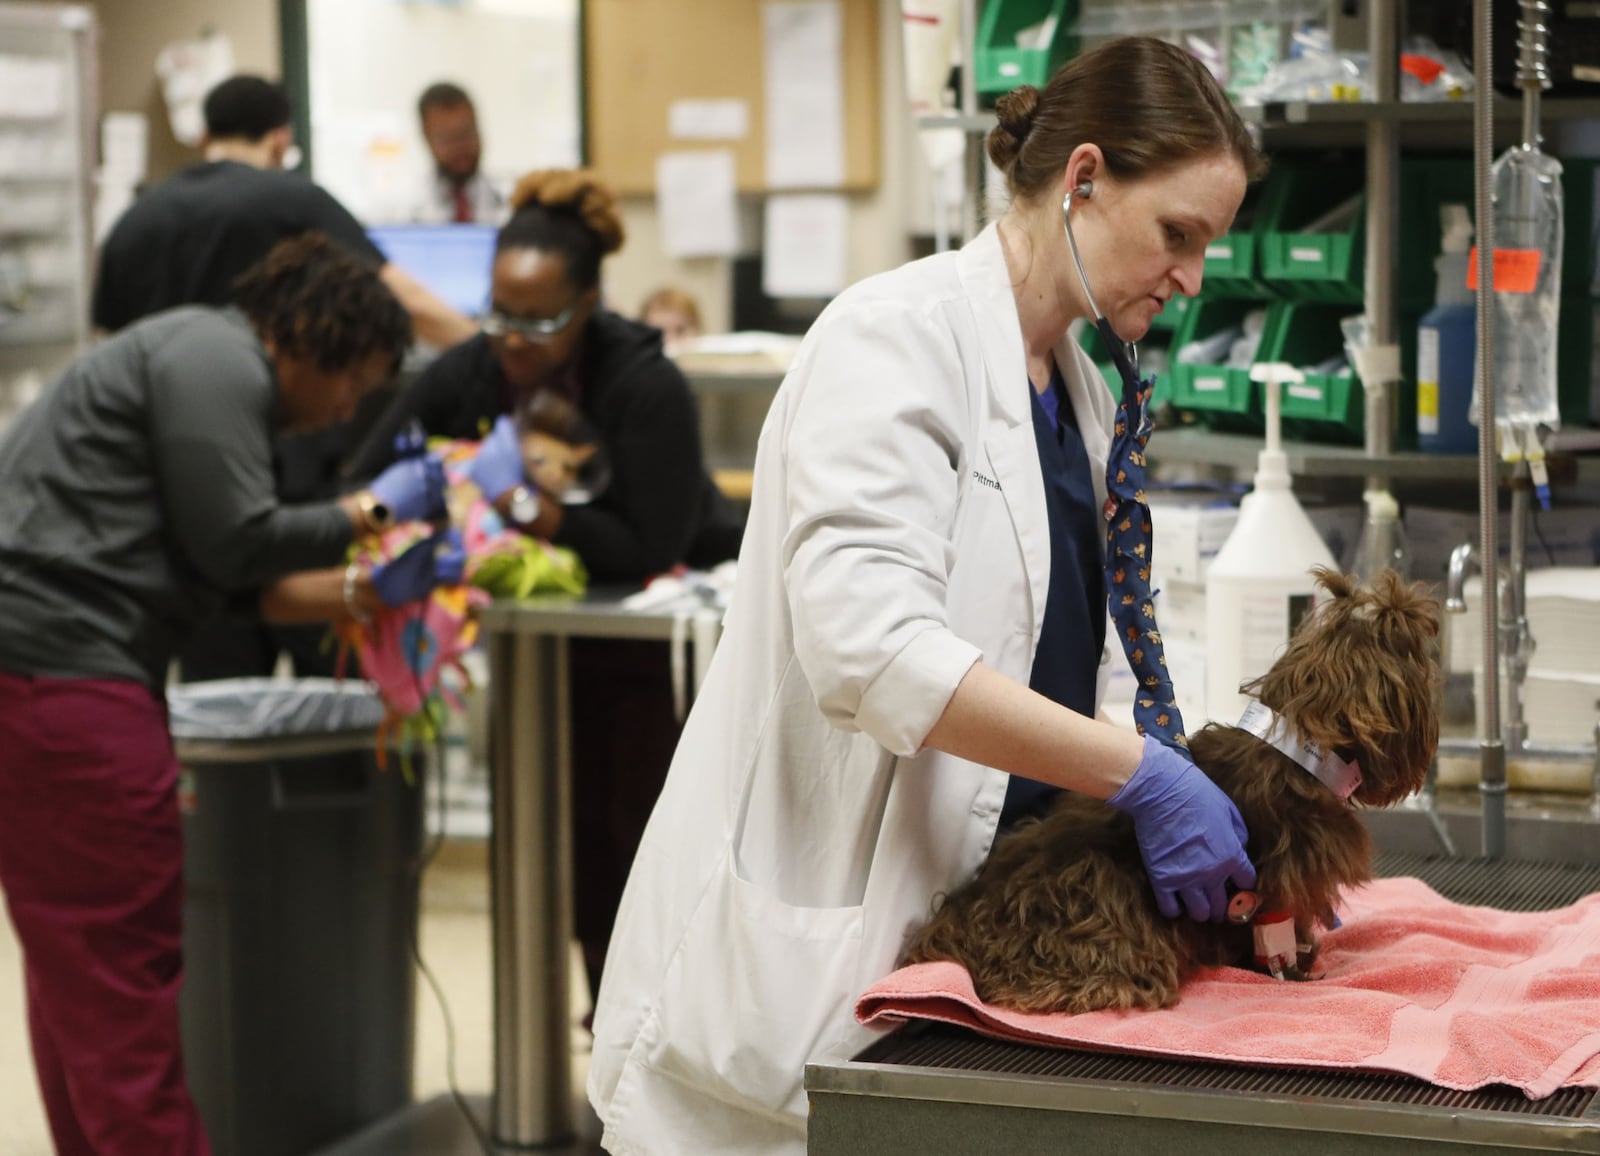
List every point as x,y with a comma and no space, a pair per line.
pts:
1260,584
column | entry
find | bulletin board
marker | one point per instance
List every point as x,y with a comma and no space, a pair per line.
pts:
641,55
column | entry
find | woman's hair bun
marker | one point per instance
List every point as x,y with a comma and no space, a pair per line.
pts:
1014,114
579,192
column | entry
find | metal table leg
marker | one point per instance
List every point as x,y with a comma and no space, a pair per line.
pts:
530,888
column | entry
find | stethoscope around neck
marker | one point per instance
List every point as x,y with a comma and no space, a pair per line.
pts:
1124,355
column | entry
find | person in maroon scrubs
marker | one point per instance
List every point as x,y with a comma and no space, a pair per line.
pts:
138,504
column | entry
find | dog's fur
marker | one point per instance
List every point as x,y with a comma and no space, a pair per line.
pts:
1062,918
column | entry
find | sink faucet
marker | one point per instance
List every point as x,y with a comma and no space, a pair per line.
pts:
1463,558
1515,640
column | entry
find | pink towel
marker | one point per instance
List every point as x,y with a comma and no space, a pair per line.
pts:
1414,984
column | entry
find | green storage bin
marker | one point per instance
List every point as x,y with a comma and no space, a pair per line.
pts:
1577,366
1578,248
1318,266
1426,183
1216,395
1233,261
1300,260
1001,65
1326,407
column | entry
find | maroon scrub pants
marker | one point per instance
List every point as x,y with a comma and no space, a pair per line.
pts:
91,862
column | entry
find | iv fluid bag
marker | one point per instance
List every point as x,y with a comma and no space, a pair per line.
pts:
1527,278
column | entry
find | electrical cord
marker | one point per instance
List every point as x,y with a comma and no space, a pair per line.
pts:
1549,554
424,860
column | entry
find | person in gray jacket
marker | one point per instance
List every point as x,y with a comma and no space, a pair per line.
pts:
138,504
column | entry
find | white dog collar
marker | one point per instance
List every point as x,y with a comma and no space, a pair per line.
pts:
1338,776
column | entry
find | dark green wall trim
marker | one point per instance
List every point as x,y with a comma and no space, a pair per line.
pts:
297,72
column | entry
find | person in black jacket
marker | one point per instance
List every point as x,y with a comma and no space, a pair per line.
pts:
547,331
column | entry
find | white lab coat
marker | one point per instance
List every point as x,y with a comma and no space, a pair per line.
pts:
898,534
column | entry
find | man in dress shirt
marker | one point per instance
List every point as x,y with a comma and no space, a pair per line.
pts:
457,191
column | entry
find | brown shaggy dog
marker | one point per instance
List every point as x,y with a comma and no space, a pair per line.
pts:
1061,918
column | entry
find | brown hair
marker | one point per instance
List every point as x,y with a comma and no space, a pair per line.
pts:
1148,104
565,211
671,297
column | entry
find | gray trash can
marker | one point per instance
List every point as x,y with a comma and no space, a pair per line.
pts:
299,858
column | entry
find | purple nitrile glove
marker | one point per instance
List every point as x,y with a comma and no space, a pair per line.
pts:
413,489
1190,834
498,466
437,560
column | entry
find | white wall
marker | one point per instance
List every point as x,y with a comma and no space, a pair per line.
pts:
371,59
133,32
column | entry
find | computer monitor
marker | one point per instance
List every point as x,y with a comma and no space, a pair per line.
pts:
452,260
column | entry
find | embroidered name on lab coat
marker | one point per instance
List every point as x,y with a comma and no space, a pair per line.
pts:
990,482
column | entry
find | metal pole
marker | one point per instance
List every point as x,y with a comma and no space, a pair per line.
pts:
972,143
1383,202
1516,638
1492,772
530,889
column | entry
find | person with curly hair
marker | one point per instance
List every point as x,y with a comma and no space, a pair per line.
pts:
139,505
186,241
547,330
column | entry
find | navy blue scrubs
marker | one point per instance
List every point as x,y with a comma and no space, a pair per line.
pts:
1074,631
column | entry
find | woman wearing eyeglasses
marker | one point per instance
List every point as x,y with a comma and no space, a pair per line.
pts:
546,330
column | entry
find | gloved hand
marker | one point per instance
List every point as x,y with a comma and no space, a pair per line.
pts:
1190,834
437,560
498,466
412,488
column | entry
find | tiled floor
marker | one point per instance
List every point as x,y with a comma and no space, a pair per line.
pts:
455,944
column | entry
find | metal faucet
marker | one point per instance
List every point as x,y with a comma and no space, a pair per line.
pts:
1515,646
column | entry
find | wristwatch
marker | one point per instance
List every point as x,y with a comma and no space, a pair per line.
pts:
524,508
376,513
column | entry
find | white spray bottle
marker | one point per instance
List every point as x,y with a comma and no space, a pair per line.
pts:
1260,583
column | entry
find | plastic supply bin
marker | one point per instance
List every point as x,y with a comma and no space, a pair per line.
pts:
1233,261
1003,63
1312,229
1220,396
1326,407
300,908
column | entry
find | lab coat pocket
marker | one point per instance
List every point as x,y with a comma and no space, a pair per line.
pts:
758,987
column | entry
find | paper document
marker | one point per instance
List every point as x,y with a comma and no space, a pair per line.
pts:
708,119
124,146
698,202
804,248
804,70
189,69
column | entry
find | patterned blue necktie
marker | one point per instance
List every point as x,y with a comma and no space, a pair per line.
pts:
1128,555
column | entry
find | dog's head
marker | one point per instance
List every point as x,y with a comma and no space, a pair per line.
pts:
1360,678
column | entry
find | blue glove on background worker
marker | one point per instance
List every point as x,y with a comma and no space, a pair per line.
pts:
1190,834
413,489
437,560
498,466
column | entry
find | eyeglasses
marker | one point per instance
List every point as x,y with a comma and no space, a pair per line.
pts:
498,324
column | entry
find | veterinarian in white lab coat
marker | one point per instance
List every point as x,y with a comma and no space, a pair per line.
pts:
869,710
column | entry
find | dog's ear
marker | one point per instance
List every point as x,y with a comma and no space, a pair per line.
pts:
1360,677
